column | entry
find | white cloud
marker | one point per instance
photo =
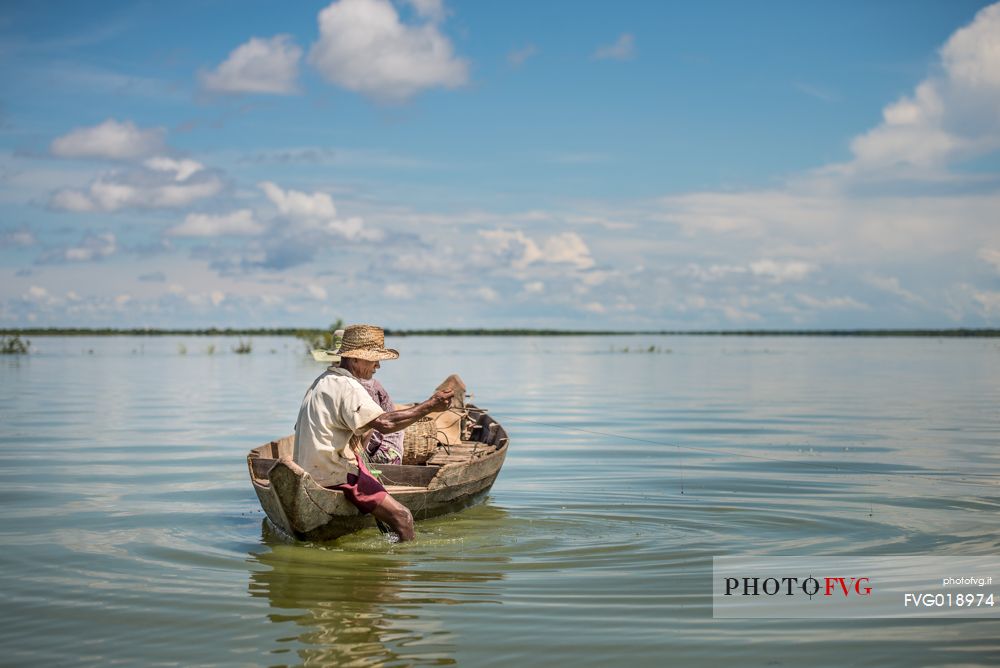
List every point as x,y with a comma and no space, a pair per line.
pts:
715,272
736,314
110,193
972,54
300,205
110,140
567,248
746,213
398,291
780,272
487,294
182,169
36,293
316,291
534,288
949,115
989,301
891,285
992,256
521,251
594,307
259,66
622,49
93,247
518,57
432,10
236,223
597,277
831,302
316,211
19,237
364,47
101,245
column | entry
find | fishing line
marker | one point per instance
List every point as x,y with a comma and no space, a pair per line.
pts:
732,453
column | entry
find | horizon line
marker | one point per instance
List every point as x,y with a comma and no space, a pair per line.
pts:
953,332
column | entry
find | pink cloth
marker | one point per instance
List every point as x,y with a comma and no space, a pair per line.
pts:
363,490
383,448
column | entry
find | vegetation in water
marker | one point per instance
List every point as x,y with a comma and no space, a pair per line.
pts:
182,349
14,345
321,339
244,347
653,349
210,350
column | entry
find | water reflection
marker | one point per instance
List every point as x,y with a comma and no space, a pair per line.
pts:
130,526
362,600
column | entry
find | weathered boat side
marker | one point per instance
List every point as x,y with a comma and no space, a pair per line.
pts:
456,477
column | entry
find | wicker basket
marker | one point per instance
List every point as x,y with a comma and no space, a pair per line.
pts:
420,441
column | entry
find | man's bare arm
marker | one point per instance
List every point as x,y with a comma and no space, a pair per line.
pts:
394,421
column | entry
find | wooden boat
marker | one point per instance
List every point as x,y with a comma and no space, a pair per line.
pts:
327,356
454,477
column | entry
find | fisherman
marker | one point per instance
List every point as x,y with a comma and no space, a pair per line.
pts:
337,417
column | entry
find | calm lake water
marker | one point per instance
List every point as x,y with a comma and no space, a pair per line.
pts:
131,534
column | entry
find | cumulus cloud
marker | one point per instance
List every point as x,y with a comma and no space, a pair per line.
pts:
151,179
868,217
950,115
119,191
316,211
181,169
365,47
259,66
93,247
990,256
17,238
622,49
296,204
521,251
236,223
780,272
112,140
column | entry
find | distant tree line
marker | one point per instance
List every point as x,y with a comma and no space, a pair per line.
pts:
321,336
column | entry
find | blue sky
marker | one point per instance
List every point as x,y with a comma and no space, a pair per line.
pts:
523,164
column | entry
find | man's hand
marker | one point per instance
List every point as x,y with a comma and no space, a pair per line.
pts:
441,400
393,421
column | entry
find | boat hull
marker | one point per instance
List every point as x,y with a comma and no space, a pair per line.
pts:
301,508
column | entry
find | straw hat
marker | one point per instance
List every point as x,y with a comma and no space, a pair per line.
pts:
365,342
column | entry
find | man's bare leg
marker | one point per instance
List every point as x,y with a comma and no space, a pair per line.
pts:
396,515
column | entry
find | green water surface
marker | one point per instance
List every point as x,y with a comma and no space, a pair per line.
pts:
131,534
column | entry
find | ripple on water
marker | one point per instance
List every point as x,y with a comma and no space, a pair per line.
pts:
132,536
